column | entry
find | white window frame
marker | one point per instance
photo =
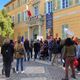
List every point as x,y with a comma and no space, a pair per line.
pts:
13,19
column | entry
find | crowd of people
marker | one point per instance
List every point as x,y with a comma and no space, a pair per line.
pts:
55,48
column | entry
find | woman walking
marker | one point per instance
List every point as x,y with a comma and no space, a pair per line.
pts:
19,56
69,52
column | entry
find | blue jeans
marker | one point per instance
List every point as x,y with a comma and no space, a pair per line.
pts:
28,55
50,54
19,62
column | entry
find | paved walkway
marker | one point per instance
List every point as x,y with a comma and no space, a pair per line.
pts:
37,70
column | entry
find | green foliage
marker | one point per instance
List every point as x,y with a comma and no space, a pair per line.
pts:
6,27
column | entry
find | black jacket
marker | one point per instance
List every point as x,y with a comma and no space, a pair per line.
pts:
36,46
7,51
26,45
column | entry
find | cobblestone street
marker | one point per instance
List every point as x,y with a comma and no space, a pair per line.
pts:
37,70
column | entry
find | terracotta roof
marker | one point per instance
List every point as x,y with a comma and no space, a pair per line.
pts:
9,3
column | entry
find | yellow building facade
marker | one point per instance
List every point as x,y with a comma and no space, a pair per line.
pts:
23,25
66,18
69,18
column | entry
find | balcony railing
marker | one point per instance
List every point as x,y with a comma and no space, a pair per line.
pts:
35,20
33,2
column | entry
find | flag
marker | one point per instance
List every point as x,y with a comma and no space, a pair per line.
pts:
22,39
29,13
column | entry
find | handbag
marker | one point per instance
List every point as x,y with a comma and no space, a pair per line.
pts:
21,51
76,63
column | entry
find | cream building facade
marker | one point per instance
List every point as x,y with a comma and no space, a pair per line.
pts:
66,15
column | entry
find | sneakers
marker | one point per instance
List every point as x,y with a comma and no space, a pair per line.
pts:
17,72
22,71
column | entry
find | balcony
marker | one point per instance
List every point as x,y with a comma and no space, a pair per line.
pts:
33,2
35,20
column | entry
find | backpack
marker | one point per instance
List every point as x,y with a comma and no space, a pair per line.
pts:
6,51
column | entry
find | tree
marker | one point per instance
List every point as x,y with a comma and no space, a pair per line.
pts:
6,25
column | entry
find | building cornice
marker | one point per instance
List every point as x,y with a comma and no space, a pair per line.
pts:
9,3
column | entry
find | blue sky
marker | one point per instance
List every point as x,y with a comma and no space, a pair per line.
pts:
2,3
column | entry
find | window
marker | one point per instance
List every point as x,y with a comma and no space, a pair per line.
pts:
58,4
70,2
19,18
15,4
54,5
26,34
13,19
77,1
44,8
36,10
65,3
22,16
25,1
8,9
12,6
49,7
25,16
18,3
64,28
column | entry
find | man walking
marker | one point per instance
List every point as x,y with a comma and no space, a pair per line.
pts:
7,51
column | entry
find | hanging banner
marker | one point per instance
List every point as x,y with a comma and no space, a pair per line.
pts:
49,20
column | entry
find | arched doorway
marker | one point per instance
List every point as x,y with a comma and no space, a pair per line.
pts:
35,33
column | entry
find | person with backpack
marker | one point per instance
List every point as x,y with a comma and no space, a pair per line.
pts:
7,51
69,51
19,55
